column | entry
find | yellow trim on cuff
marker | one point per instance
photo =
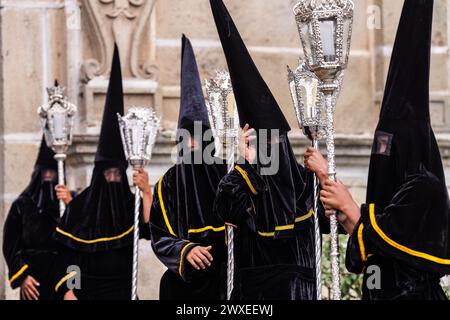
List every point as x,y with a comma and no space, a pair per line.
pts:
362,248
163,208
64,279
246,178
215,229
289,226
182,256
106,239
18,273
400,247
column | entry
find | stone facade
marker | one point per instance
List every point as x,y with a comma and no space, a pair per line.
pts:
72,41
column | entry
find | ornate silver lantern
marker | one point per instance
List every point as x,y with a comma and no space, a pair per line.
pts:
57,122
138,129
325,28
309,108
224,119
223,114
308,100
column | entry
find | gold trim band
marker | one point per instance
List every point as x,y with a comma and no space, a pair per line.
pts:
163,208
362,248
246,178
215,229
182,256
289,226
106,239
400,247
18,273
64,279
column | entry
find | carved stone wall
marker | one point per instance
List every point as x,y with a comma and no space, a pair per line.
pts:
72,40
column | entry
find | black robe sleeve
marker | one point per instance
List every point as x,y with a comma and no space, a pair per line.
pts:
234,201
66,257
144,228
170,249
408,229
12,246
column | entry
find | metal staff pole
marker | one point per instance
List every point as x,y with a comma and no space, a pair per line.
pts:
325,29
308,105
138,129
57,122
225,123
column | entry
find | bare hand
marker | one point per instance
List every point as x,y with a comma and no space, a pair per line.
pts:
336,196
140,179
70,295
315,162
199,257
246,147
29,290
63,193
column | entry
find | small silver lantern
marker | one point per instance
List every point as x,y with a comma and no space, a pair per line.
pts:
325,28
57,119
138,129
308,100
309,108
224,119
223,113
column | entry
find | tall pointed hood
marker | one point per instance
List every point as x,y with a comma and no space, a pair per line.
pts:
409,214
194,180
256,104
101,217
192,101
110,148
406,94
42,192
45,158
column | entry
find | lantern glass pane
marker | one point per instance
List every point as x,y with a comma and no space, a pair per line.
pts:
309,92
306,35
328,37
346,40
59,121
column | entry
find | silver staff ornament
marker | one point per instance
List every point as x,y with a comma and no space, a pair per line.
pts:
325,28
57,120
138,129
224,120
309,108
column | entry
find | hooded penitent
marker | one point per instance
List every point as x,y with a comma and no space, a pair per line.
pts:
182,214
43,192
274,240
196,183
101,217
28,229
258,107
406,218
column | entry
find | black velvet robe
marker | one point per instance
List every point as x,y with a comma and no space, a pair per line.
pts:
405,224
398,239
27,244
105,274
175,230
274,260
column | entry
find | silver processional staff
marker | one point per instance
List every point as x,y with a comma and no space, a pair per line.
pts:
57,122
138,129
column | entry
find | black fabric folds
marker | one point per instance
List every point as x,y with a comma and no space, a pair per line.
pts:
257,106
101,217
270,201
406,218
182,214
28,246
